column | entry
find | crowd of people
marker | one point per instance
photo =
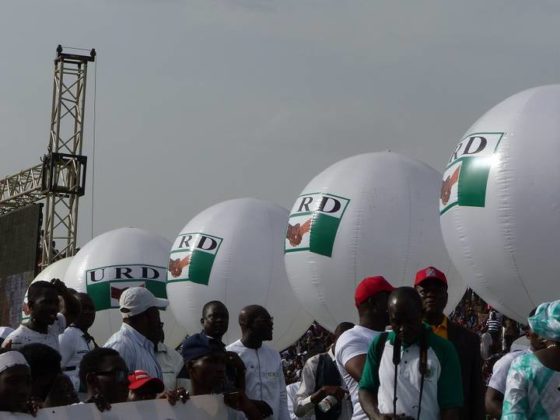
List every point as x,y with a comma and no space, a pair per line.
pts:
404,359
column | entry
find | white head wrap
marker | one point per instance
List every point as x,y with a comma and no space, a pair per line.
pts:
11,359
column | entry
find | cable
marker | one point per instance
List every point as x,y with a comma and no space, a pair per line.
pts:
423,368
93,151
420,398
396,361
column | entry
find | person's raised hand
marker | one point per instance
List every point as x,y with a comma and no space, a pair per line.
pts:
100,402
32,407
233,399
60,286
179,394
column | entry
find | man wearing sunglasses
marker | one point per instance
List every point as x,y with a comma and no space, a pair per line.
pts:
141,328
106,377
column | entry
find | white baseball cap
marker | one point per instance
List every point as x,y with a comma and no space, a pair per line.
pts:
135,300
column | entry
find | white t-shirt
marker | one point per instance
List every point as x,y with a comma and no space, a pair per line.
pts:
501,369
73,346
23,335
291,391
264,377
352,343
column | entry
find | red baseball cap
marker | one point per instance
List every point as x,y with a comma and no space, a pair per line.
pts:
139,378
430,273
369,287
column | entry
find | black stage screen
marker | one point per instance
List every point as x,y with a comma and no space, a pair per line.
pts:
19,247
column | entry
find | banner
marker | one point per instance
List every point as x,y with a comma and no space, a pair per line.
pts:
202,407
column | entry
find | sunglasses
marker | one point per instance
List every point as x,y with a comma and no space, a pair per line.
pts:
119,374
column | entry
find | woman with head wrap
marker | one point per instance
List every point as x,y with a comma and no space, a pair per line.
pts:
532,387
15,383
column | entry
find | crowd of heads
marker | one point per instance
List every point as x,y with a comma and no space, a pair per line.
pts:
32,374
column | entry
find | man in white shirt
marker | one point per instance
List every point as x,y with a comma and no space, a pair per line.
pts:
75,341
141,328
291,391
410,372
320,378
264,377
370,298
45,322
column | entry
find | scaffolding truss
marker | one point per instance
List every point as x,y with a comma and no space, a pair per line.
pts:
59,181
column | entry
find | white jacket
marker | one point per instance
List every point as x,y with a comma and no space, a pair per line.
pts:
264,377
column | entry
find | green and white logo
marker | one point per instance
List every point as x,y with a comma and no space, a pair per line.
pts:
466,177
314,223
192,257
106,284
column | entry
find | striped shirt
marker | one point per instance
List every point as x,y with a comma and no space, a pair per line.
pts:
495,324
137,351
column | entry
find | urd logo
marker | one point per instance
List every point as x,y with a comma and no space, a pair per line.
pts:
314,222
192,257
466,176
106,284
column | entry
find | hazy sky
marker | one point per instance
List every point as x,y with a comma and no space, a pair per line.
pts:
207,100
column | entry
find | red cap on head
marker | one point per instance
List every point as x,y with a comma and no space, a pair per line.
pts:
369,287
139,378
430,273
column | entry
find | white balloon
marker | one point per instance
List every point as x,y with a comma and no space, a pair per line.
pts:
115,261
500,206
233,252
371,214
54,271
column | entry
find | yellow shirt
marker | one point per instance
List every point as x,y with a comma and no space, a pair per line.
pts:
441,329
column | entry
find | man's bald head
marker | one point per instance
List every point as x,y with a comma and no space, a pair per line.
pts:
405,313
249,313
406,298
255,321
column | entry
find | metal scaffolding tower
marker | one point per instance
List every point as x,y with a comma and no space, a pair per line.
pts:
59,180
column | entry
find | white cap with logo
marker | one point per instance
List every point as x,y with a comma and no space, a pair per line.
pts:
135,300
